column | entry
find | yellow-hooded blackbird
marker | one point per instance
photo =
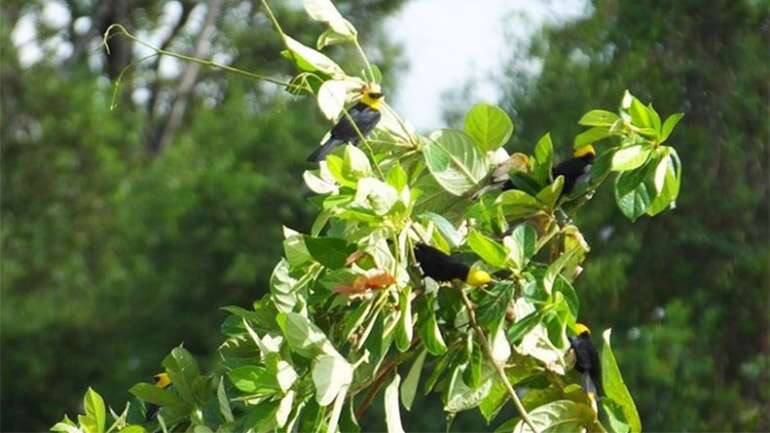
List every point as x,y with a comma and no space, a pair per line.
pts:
445,268
587,361
574,169
365,114
162,381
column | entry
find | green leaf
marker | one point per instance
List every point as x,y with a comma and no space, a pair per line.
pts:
592,135
224,402
311,60
430,332
95,411
392,413
543,163
667,180
409,387
375,195
632,194
489,250
253,379
654,118
324,11
454,161
630,158
66,426
669,125
331,374
404,329
558,416
599,118
518,330
614,387
334,94
303,336
640,116
444,227
489,126
397,177
463,397
614,416
330,37
133,428
520,245
152,394
518,204
328,251
183,370
549,195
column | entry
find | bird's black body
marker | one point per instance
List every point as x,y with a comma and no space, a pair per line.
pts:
587,363
364,116
439,266
573,170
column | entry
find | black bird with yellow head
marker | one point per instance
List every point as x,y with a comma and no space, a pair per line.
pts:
162,381
574,170
587,361
445,268
365,115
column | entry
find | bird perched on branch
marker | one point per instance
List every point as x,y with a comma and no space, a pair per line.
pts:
162,381
365,115
445,268
574,169
587,361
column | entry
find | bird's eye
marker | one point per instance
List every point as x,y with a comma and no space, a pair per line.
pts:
375,95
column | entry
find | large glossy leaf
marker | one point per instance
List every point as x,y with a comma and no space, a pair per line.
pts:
95,410
311,60
630,158
489,250
563,416
520,245
334,94
331,373
489,126
324,11
518,204
152,394
328,251
614,387
455,161
599,118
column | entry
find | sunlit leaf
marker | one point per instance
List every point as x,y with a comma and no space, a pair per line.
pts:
455,161
489,126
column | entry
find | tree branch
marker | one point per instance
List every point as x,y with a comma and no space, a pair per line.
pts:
187,8
188,79
484,343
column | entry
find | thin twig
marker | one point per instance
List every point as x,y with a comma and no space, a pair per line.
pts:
118,27
484,343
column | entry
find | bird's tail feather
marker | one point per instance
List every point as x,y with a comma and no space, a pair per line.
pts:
320,153
588,384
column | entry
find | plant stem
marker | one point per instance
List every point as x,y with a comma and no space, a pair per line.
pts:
364,58
204,62
484,343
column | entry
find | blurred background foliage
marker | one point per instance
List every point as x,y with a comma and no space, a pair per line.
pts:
123,231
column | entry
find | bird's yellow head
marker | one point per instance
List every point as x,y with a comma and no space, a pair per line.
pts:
585,150
478,278
371,95
162,380
581,328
